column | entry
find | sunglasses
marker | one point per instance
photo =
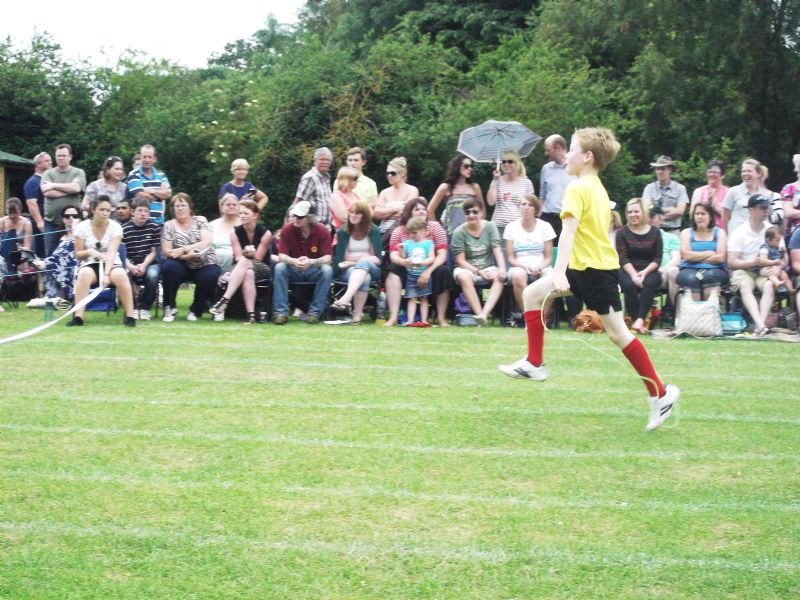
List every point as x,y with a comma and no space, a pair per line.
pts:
466,166
472,211
391,173
70,216
508,162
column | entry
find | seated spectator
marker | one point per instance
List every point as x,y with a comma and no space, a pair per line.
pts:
142,238
438,273
791,202
122,214
97,241
703,253
478,258
250,242
304,251
344,194
60,266
357,259
714,191
16,232
242,189
222,230
640,249
529,246
773,254
188,256
743,257
419,250
794,262
670,256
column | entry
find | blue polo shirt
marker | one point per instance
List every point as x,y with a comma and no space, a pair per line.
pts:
138,181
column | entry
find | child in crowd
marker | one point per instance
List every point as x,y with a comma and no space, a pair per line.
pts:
587,266
419,250
774,249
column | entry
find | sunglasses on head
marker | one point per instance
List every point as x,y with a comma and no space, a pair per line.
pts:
111,160
391,173
472,211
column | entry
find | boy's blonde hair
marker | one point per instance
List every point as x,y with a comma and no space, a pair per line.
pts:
416,224
600,142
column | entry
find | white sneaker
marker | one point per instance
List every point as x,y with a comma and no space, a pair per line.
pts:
144,315
219,317
191,316
169,314
661,408
522,369
136,315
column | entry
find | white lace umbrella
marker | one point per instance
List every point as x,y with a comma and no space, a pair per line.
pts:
488,141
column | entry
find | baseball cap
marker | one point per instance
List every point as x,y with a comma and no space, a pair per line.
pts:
758,201
301,209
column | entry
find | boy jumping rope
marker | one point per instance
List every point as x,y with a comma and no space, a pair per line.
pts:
587,267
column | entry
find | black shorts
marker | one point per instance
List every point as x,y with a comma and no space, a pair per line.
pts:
596,288
96,268
441,278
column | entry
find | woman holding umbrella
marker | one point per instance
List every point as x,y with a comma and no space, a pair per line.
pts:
456,188
507,191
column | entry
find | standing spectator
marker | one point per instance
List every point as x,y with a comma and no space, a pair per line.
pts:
188,256
667,194
356,159
344,195
640,249
240,187
507,191
735,209
61,186
34,198
419,250
456,189
304,251
438,273
553,182
744,244
791,202
714,191
478,258
145,181
315,186
110,183
142,238
388,208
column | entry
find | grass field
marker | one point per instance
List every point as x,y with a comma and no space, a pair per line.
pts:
216,460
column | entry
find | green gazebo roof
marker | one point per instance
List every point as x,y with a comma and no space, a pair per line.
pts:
7,158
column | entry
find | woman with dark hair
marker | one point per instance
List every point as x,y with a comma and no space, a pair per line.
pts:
438,273
60,266
250,242
640,250
703,253
16,230
356,259
478,258
714,191
97,241
456,188
110,183
188,256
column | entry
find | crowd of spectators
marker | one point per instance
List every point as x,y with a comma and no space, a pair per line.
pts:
744,237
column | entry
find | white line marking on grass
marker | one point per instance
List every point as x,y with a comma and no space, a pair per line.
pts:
565,453
422,408
527,502
599,556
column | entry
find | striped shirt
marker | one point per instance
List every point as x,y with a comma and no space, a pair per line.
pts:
316,189
140,240
138,181
435,232
509,195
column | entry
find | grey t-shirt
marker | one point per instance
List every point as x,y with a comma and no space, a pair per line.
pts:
478,250
54,206
666,197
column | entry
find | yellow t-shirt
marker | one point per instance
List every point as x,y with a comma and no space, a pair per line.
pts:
587,200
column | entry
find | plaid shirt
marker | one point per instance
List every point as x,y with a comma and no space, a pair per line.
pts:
316,189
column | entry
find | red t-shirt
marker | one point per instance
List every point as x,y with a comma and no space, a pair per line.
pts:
316,245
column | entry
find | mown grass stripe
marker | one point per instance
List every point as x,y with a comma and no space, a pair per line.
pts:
527,502
593,557
557,453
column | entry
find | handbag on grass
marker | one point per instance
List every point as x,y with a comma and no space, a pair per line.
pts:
698,318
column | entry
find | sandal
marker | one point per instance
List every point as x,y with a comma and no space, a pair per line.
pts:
251,318
762,332
339,305
220,306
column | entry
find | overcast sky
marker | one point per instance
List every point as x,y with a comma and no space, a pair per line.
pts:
184,32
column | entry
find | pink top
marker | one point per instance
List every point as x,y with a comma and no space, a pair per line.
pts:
702,194
346,201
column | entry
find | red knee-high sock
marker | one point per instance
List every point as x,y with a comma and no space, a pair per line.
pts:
635,352
535,329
